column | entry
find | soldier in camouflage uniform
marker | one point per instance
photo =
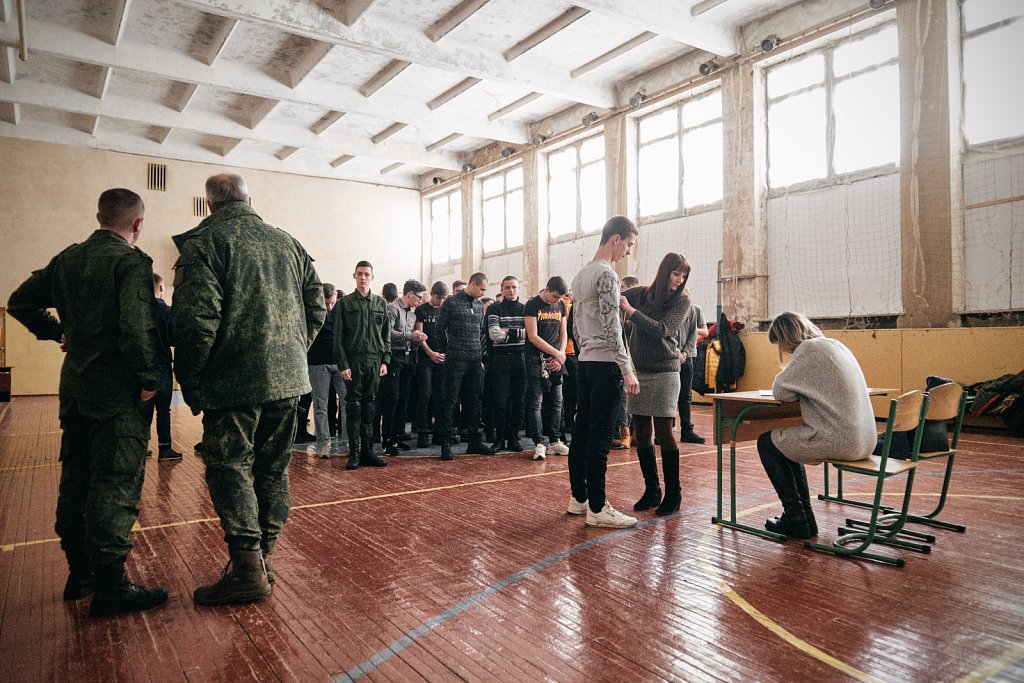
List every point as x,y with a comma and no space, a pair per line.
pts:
103,292
247,306
362,346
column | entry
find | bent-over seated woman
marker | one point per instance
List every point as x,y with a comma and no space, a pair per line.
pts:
838,421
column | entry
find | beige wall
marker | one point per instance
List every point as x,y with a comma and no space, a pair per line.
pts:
48,198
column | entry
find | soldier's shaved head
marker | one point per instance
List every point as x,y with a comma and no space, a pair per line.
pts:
224,188
118,208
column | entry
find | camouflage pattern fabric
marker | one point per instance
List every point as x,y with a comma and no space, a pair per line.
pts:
247,306
247,450
361,330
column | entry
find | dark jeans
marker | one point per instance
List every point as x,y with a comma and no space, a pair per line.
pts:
462,380
508,382
543,407
430,385
394,395
569,394
598,391
685,393
162,401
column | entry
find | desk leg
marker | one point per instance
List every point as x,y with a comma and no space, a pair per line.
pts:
718,440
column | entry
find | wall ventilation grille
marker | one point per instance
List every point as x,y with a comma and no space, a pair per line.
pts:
199,207
156,177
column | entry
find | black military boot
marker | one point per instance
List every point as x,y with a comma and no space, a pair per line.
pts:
423,440
115,593
367,457
652,488
352,419
79,584
673,496
446,451
244,580
267,550
793,520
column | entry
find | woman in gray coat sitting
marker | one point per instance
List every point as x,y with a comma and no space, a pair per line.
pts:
838,421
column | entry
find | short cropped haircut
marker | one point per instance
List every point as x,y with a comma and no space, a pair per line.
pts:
631,281
413,286
364,264
618,225
509,277
557,285
789,330
458,283
224,188
158,279
389,291
118,208
439,288
329,290
477,278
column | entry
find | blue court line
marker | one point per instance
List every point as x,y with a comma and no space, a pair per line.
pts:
366,667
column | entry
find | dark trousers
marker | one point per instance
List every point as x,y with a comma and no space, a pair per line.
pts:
247,450
599,387
508,383
685,394
543,407
361,397
430,388
162,401
569,394
462,381
394,395
102,462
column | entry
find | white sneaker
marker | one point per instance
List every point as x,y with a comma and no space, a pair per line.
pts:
609,517
576,507
558,448
540,452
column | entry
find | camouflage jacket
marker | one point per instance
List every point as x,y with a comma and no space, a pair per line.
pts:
361,329
247,305
103,292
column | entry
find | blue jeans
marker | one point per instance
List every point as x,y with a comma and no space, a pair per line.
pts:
321,378
543,405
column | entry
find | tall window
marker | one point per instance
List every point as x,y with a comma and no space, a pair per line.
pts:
446,227
993,32
502,213
834,110
680,157
576,188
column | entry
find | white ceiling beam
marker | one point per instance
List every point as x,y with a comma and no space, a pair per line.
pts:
161,135
391,167
383,77
8,64
703,6
464,10
93,125
397,41
342,159
387,132
173,65
354,9
544,32
521,102
10,112
63,98
261,112
665,18
612,54
120,16
326,121
285,152
229,144
443,141
6,10
452,92
309,61
186,96
220,39
108,74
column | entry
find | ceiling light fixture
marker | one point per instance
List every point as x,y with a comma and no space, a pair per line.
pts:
638,99
709,67
467,167
876,4
770,43
590,119
437,180
506,152
538,139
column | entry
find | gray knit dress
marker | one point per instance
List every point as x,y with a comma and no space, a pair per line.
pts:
654,349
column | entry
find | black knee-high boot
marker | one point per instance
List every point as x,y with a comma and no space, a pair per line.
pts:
673,496
793,521
800,474
649,468
353,418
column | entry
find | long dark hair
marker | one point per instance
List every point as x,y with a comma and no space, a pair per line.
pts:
658,293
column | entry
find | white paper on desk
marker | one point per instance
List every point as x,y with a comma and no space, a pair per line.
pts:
765,392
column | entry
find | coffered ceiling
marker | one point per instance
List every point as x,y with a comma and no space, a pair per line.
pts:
371,90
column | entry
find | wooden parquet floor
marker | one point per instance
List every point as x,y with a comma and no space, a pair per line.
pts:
471,570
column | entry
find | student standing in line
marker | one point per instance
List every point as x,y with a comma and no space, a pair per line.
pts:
547,333
164,359
429,370
507,332
603,370
691,332
655,313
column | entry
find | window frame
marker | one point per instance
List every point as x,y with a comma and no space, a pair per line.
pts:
576,145
1009,144
681,209
829,83
430,225
505,191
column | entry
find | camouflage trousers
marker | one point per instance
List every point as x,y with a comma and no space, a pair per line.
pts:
102,467
247,450
361,396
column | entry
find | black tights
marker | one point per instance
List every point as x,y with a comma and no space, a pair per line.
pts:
645,432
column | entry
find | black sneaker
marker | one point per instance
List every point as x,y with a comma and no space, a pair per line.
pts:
168,453
403,445
126,597
691,437
423,440
391,448
79,585
198,448
446,452
515,446
479,448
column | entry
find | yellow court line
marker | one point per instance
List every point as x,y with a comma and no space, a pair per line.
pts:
994,666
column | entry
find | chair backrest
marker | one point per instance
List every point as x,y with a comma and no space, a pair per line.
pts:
944,401
908,411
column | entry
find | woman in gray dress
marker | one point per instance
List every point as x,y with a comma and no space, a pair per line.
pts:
655,313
